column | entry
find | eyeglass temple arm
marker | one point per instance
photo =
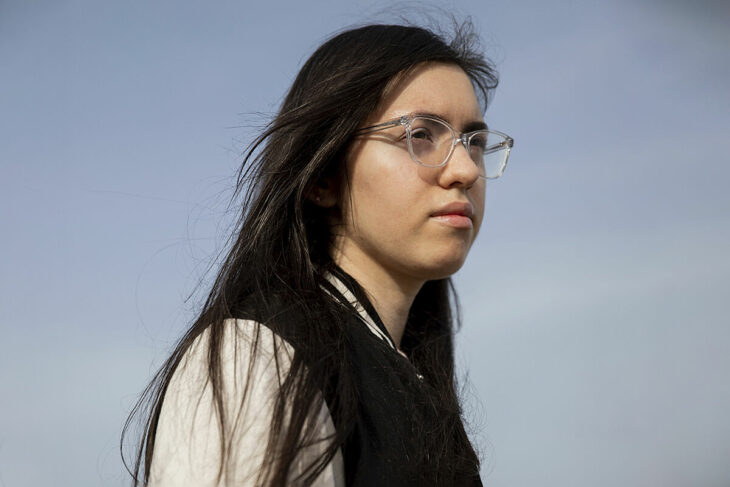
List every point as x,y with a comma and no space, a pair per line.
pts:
507,143
381,126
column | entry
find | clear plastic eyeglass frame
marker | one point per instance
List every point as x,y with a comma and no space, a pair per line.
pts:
499,150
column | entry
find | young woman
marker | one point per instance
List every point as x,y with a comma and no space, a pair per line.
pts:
324,353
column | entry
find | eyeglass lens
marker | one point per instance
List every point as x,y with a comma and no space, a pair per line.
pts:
431,142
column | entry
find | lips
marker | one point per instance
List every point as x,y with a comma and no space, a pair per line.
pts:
456,215
456,208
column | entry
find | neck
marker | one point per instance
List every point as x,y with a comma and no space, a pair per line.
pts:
392,294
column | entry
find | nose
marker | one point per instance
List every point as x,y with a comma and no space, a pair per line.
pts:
460,170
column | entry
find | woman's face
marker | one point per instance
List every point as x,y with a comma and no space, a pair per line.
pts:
399,216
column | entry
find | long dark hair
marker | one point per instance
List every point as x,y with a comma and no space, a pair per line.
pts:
280,254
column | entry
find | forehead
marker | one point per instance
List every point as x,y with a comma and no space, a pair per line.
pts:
436,88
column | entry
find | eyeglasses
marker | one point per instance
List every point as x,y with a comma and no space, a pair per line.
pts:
431,142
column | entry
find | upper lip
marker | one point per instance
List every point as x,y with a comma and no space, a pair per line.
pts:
456,208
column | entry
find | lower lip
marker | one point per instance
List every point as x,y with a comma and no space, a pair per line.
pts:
456,221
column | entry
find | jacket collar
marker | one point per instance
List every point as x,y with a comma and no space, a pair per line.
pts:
349,292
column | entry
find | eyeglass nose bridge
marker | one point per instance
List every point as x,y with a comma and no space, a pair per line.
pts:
463,138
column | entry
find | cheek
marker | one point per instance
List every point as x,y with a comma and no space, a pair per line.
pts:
385,188
476,196
384,204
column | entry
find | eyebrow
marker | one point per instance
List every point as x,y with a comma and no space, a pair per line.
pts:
468,127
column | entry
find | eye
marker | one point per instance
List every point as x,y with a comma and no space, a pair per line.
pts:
421,134
478,141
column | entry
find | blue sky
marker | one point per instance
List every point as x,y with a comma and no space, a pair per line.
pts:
595,332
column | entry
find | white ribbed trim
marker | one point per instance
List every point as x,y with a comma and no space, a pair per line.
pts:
364,316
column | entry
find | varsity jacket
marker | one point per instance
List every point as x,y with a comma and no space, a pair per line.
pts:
394,402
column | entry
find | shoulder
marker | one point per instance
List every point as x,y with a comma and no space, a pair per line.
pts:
240,343
188,436
245,350
254,362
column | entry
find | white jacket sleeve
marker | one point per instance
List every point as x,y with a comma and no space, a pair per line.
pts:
187,443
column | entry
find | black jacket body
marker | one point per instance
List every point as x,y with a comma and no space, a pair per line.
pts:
396,408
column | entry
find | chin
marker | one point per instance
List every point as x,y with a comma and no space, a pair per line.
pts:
443,267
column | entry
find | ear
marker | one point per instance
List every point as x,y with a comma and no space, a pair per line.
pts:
323,193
